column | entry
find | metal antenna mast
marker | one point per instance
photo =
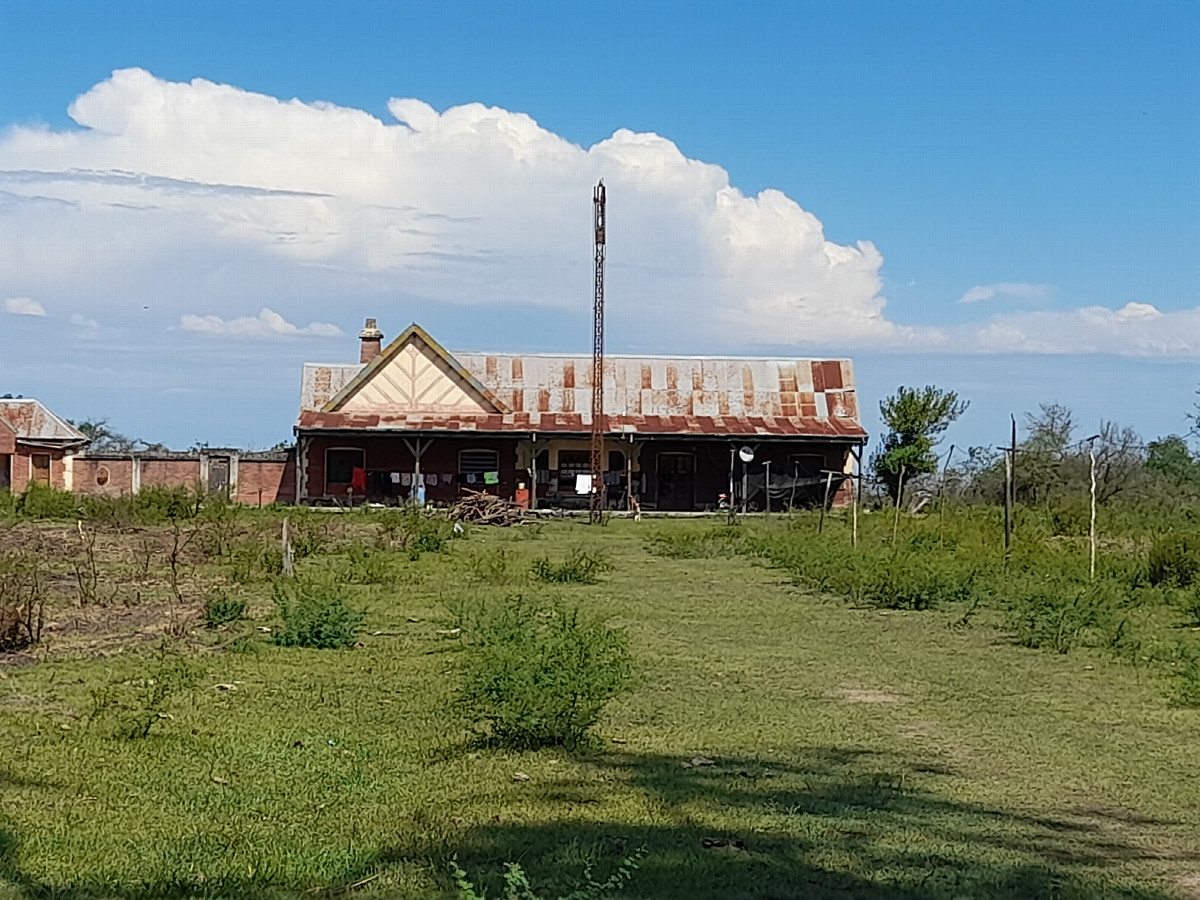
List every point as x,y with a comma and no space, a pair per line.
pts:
596,509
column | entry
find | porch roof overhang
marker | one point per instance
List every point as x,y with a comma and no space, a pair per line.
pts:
830,429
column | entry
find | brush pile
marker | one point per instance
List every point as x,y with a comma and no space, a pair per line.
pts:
478,508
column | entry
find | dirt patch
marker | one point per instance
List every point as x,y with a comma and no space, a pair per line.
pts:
1190,885
866,695
917,729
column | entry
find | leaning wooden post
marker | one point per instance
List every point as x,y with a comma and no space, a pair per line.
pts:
825,502
287,549
767,493
856,483
899,494
1092,528
1010,462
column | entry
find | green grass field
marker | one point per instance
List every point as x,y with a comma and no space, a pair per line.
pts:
855,752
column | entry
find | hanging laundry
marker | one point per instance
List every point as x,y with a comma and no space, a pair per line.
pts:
470,478
583,484
431,480
358,480
491,477
395,478
447,479
406,479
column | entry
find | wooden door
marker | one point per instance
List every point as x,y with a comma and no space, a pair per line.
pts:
39,464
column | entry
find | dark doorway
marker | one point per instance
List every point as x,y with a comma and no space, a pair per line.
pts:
676,477
218,475
5,471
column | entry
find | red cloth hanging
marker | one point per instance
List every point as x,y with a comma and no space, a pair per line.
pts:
358,480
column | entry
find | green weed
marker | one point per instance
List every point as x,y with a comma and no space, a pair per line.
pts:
540,674
579,567
316,612
221,609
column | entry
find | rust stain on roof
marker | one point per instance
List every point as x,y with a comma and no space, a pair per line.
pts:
651,395
31,422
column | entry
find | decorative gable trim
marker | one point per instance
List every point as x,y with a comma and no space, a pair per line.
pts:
416,335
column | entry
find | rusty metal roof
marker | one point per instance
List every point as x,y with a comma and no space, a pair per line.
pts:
32,423
651,395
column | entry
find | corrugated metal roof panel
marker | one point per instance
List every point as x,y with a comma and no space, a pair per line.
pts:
702,395
31,421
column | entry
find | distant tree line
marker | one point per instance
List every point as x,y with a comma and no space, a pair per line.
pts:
1052,465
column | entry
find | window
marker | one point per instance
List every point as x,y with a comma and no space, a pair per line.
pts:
616,461
102,476
574,462
340,465
476,462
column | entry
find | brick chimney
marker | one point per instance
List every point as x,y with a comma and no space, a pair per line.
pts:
372,341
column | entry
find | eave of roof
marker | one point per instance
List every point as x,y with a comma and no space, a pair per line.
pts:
564,423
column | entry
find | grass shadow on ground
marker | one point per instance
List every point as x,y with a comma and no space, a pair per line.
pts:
824,822
830,822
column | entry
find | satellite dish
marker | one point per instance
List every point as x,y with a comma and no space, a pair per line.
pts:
746,455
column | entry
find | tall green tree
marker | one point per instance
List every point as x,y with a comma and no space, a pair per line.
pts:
916,419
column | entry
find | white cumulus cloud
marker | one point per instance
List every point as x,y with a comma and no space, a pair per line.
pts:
1017,290
267,324
23,306
201,193
171,197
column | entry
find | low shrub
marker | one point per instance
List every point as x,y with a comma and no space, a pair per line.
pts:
1187,681
416,531
367,565
518,887
22,601
1190,605
1175,559
580,567
1060,615
137,705
221,609
492,567
540,675
909,581
715,543
316,613
41,502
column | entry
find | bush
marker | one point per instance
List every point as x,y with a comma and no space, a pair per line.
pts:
1060,615
1175,559
715,543
540,675
221,609
40,502
1187,686
366,565
1191,605
580,567
316,613
137,705
908,581
416,531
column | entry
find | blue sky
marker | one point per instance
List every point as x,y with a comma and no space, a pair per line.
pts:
1037,160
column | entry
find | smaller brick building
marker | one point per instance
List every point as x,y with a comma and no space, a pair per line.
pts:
36,446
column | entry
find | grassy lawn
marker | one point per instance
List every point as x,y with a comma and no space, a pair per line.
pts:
839,751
